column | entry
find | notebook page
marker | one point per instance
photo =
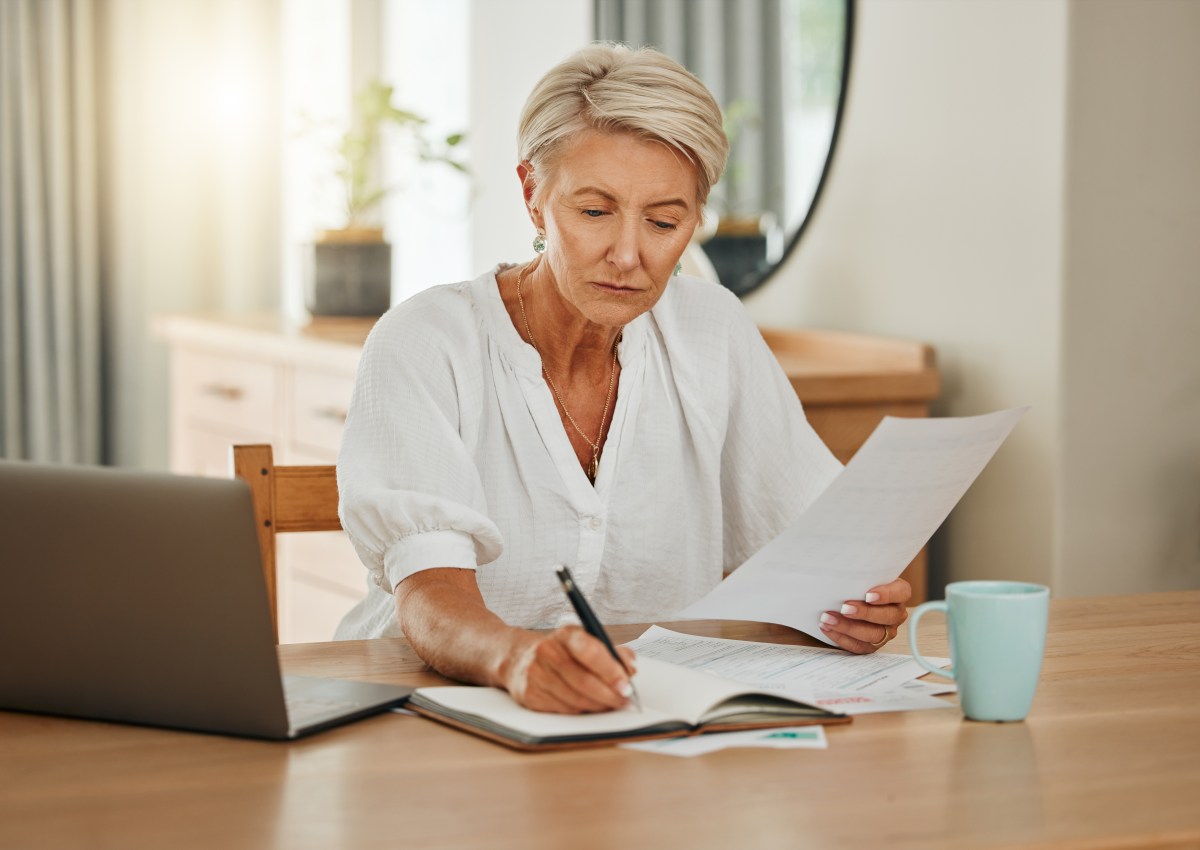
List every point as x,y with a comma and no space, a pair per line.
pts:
496,705
669,693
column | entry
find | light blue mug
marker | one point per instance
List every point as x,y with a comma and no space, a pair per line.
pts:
997,633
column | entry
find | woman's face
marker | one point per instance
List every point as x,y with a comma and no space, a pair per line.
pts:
618,213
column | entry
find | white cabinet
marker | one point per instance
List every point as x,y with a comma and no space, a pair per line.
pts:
255,380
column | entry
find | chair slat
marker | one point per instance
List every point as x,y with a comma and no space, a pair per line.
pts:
286,499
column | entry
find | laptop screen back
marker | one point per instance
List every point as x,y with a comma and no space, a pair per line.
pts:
135,597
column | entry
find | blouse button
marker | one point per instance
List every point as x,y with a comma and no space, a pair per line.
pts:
596,523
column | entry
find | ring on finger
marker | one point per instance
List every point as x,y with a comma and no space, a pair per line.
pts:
886,637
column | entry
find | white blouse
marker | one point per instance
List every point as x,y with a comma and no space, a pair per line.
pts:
454,455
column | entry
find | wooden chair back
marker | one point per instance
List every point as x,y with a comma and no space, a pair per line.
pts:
286,499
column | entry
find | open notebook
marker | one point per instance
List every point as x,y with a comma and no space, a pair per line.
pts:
675,701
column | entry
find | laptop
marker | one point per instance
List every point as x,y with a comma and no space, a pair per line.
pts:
139,598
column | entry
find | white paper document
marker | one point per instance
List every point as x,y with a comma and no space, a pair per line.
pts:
866,526
830,678
791,738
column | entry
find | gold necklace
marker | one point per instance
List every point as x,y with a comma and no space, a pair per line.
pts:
594,466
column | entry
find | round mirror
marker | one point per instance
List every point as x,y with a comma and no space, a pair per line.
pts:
778,68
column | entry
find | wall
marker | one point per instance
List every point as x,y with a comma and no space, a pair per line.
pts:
1018,184
512,45
1130,500
427,218
942,221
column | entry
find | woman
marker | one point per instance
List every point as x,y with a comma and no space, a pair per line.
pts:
586,408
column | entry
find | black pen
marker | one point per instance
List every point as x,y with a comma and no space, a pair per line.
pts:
591,624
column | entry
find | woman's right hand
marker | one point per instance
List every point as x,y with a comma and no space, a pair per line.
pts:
567,671
444,617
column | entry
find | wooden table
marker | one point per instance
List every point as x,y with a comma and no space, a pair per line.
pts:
1109,758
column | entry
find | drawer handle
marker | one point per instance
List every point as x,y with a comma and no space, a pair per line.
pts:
335,413
223,391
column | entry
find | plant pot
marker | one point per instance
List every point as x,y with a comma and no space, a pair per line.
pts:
349,273
742,252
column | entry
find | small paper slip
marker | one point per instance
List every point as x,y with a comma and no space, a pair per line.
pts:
932,687
911,696
807,738
866,526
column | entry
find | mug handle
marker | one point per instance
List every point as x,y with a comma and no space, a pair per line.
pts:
917,613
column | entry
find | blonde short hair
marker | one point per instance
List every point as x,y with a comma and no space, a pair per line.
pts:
615,89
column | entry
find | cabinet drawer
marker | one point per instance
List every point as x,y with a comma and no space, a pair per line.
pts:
310,612
325,558
207,451
234,393
320,580
320,401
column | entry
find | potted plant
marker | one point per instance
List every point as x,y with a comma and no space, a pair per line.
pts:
740,245
350,272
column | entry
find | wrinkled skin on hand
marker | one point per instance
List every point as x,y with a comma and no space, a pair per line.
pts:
569,672
864,625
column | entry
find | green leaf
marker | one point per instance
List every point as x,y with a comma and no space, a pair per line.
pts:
359,146
403,116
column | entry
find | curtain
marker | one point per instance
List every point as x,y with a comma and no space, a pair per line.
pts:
50,322
735,47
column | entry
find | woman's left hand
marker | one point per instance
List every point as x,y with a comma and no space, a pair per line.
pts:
864,625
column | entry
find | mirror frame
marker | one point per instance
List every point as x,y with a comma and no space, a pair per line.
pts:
794,239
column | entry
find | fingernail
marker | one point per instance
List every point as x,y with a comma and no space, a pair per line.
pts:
625,689
849,610
872,597
829,619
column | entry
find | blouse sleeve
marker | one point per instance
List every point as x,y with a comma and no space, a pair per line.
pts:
773,464
410,493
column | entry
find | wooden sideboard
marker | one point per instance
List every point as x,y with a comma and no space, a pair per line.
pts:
849,382
256,379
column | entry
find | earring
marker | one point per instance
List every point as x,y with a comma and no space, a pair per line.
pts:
678,269
539,242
